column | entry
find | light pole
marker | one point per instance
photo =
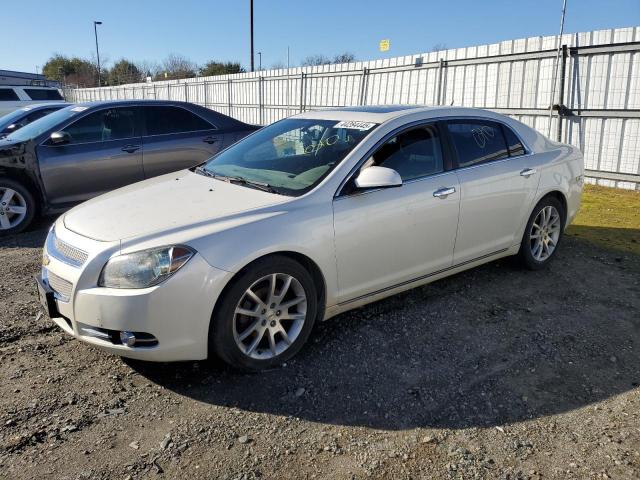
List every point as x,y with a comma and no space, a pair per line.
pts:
251,29
259,61
95,31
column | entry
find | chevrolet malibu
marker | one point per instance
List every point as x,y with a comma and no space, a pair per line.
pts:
309,217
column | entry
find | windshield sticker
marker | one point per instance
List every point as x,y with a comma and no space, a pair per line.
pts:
354,125
79,109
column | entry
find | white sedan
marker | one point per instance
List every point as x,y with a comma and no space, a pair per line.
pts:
309,217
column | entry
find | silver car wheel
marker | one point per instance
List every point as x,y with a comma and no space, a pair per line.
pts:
269,316
13,208
544,233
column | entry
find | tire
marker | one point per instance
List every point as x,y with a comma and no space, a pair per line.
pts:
541,240
233,335
17,207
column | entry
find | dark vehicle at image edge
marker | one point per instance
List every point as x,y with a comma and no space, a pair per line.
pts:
87,149
14,121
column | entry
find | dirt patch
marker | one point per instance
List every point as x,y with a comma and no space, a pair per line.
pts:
494,373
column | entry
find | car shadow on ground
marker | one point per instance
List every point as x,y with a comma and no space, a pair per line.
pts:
33,237
489,346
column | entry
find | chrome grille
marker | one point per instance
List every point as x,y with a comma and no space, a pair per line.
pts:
64,252
59,285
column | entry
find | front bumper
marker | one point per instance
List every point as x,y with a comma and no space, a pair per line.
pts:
176,312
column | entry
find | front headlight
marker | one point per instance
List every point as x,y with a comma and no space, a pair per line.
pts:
145,268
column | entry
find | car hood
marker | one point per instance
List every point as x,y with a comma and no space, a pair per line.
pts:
167,203
10,147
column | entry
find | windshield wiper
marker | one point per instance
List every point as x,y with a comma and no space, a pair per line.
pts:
205,172
265,187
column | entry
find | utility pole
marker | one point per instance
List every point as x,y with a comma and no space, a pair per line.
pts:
95,31
251,28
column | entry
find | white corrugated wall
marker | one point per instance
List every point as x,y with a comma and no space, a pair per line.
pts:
601,80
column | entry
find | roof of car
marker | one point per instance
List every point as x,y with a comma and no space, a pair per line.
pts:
382,113
133,101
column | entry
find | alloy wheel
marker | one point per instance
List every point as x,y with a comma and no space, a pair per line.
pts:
13,208
270,316
544,233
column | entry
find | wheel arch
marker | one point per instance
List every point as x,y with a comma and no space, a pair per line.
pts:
309,264
21,176
561,197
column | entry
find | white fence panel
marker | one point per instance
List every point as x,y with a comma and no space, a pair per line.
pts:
600,110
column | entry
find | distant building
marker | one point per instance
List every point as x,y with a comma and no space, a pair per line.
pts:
8,77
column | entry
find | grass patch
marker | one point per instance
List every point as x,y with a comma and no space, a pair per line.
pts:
609,217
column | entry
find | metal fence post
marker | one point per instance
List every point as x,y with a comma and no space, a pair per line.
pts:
204,86
302,90
229,88
186,92
441,67
260,100
563,73
363,86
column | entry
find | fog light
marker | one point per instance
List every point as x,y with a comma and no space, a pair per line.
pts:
128,339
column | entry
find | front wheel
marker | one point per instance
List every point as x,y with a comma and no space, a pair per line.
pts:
265,316
17,207
543,234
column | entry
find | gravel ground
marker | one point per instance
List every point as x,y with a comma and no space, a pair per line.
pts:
493,373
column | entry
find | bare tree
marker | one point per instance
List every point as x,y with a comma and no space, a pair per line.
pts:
346,57
315,60
176,66
439,47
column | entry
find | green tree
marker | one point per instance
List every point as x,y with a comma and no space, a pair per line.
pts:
220,68
71,70
123,72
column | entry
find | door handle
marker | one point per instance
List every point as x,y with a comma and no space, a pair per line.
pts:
209,140
130,148
444,192
527,172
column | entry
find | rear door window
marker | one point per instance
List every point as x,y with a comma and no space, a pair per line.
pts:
477,141
162,120
104,125
43,94
8,95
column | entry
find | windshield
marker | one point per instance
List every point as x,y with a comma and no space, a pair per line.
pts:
291,156
11,118
38,127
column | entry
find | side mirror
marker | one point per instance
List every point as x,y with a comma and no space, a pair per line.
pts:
59,138
378,177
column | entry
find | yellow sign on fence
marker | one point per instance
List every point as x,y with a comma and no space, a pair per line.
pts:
384,45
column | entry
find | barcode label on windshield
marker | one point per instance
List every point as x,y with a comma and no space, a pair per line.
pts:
354,125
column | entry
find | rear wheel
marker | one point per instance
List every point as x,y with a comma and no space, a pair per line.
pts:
543,233
17,207
265,316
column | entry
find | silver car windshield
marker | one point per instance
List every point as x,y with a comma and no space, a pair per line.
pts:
291,156
38,127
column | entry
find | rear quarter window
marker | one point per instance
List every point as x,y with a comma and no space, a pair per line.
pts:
8,95
43,94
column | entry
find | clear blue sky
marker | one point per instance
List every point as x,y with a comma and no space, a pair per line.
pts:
218,29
